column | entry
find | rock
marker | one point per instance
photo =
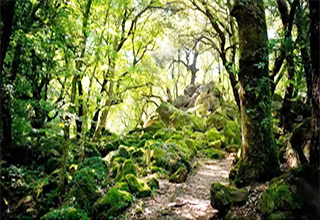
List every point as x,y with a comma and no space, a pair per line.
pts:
180,101
191,89
112,203
179,176
198,123
213,134
65,212
123,152
153,183
280,200
180,119
128,167
214,153
165,112
137,186
232,148
215,144
224,197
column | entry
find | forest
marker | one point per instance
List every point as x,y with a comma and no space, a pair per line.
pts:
160,109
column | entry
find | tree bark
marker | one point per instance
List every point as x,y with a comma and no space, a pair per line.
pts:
259,160
6,18
314,43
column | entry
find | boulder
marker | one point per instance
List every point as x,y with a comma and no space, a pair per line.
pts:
114,202
179,176
224,197
138,186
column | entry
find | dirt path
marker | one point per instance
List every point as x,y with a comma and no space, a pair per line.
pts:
189,200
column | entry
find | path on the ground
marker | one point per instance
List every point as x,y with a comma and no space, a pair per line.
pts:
188,200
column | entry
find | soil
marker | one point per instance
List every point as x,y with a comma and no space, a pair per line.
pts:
188,200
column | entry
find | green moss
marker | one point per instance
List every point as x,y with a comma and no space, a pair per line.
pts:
190,143
84,188
213,134
160,156
213,153
138,186
155,169
179,176
153,183
279,200
180,119
217,120
123,152
65,213
128,167
215,144
232,133
198,123
123,186
232,148
112,203
224,197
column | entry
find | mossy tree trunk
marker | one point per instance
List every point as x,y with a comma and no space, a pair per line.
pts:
314,43
259,160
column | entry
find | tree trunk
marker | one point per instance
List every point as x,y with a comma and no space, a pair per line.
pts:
6,18
259,160
314,43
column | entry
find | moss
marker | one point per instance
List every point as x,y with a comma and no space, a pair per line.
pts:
84,188
138,155
224,197
179,176
213,153
165,112
155,169
190,143
180,119
160,156
112,203
198,123
153,183
128,167
213,134
138,186
280,200
65,213
217,120
215,144
232,133
123,186
123,152
232,148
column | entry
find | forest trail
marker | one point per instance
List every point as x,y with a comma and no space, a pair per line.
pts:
188,200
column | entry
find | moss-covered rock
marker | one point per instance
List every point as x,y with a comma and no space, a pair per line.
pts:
232,133
67,212
180,119
215,144
232,148
153,183
216,120
280,200
84,188
198,123
138,186
123,152
213,134
112,203
214,153
128,167
224,197
165,112
179,176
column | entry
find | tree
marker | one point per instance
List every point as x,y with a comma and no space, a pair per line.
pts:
259,161
314,43
6,22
